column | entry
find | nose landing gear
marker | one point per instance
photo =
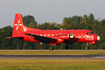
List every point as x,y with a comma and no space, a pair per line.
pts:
51,48
86,46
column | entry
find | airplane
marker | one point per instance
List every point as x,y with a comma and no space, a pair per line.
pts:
52,37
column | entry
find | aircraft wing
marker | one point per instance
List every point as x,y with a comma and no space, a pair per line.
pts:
42,38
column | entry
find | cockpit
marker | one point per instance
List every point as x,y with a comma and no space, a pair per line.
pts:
89,33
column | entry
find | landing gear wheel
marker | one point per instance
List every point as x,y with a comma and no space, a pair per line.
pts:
51,48
87,46
66,47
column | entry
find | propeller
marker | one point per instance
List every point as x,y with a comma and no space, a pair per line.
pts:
71,35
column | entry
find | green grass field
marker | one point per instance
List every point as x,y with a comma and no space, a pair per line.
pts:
39,64
54,52
31,64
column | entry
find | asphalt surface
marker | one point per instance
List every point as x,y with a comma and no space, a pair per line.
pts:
52,57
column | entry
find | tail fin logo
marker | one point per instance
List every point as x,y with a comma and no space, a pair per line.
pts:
18,24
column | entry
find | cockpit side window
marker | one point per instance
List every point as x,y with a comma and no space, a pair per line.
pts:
90,33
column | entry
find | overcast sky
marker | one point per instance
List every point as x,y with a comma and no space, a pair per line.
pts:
49,10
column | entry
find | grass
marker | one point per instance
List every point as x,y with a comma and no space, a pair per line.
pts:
54,52
39,64
31,64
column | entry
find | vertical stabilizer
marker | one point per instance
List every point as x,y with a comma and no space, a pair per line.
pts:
18,25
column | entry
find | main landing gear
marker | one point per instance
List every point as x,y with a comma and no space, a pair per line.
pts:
66,47
51,48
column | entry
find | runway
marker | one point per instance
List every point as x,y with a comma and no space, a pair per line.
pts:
52,57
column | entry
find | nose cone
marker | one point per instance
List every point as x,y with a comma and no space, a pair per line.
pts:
98,38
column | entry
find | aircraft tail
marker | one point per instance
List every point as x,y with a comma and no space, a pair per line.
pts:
18,25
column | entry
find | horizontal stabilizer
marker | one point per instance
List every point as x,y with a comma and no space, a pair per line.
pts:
21,38
8,37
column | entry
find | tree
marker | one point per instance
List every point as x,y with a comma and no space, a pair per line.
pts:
91,17
29,19
31,25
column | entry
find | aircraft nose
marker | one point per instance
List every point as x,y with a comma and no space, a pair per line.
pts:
98,38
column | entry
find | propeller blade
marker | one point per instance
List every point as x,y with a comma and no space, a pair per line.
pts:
71,35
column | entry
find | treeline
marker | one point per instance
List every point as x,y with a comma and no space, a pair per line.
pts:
75,22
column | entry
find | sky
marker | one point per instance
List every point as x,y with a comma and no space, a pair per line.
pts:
49,10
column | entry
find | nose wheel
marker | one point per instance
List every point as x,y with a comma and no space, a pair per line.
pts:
87,46
51,48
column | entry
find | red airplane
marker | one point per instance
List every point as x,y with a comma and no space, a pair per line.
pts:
51,37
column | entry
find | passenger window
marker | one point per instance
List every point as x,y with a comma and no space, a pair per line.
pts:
48,34
52,34
44,34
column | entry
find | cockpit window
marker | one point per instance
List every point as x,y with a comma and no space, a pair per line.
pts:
90,33
87,33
